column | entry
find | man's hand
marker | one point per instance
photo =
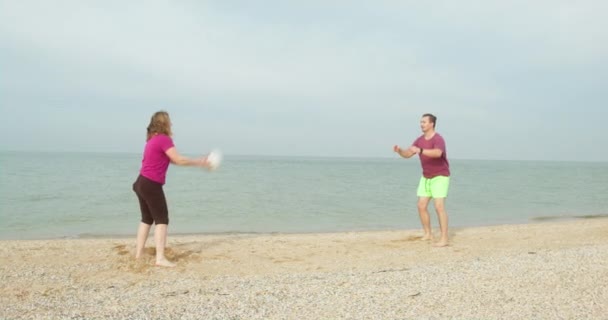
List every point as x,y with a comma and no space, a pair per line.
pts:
414,150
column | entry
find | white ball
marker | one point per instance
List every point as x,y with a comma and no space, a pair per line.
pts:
214,158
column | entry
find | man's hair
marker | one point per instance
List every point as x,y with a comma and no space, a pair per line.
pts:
432,118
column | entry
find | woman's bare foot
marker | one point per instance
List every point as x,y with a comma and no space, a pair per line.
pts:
165,263
427,237
441,243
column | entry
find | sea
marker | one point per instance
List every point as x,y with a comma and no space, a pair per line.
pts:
84,195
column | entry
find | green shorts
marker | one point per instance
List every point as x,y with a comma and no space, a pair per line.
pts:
436,187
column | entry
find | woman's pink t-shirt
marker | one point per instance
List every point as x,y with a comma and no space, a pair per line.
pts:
156,162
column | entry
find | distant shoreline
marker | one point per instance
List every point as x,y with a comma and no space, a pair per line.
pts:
537,220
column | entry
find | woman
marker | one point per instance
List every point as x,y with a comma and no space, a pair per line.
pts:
159,151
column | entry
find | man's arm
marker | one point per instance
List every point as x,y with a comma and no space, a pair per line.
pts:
431,153
437,150
407,153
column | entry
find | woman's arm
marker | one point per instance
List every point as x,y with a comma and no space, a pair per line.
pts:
180,160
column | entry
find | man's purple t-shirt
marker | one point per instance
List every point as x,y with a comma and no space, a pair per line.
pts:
156,162
433,167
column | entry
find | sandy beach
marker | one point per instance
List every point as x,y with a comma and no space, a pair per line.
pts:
548,270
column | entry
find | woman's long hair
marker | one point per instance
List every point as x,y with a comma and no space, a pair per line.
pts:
160,123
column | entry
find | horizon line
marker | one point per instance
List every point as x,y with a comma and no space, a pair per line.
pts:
299,156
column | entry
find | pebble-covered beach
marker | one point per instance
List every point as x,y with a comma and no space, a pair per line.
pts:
550,270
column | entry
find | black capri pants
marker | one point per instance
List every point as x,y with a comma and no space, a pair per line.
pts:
152,201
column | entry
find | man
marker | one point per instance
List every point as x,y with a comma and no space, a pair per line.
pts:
435,180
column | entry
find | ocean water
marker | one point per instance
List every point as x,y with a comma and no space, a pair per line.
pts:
57,195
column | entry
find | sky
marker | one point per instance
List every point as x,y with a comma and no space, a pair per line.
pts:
507,80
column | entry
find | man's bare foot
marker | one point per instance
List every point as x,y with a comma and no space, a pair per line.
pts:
427,237
165,263
441,243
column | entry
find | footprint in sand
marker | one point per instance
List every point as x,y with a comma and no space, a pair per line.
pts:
409,239
121,249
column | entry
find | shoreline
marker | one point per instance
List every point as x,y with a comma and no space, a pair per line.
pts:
532,221
538,270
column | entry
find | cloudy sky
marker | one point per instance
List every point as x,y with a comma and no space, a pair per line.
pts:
507,80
